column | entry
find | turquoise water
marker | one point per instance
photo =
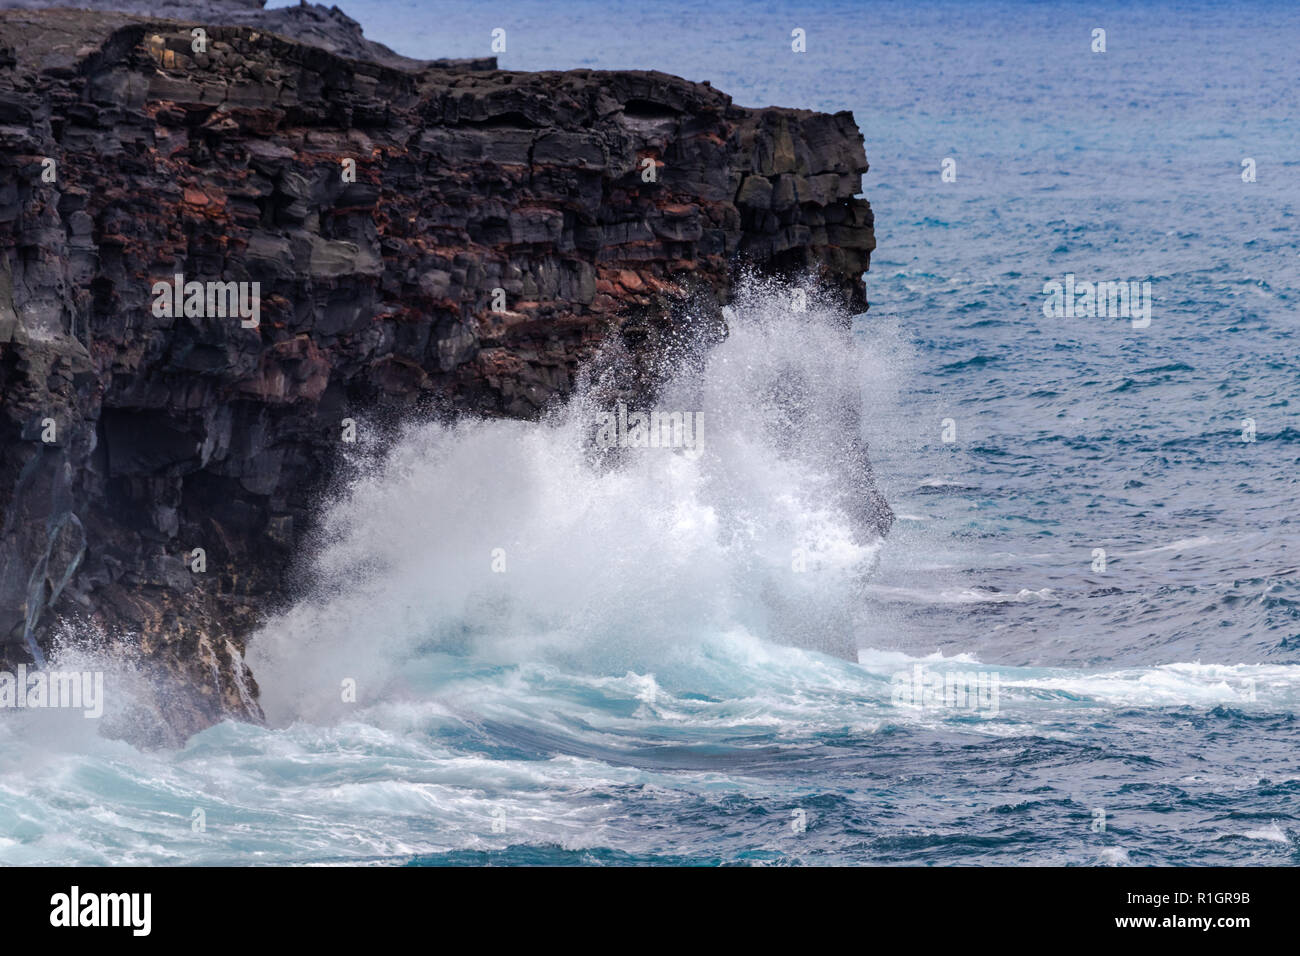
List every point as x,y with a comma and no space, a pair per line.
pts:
636,688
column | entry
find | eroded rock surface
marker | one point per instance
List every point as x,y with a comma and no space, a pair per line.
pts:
376,295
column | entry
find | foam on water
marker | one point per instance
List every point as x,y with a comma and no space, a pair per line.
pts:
644,683
513,542
639,641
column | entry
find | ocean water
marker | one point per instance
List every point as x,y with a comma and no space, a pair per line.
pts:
647,679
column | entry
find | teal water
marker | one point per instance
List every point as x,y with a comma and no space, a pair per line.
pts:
635,688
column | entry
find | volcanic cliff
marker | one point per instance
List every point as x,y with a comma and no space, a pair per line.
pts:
428,236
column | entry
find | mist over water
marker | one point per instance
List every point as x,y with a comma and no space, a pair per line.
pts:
647,679
525,617
516,542
650,680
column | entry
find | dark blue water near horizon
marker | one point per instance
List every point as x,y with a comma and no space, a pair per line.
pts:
1144,710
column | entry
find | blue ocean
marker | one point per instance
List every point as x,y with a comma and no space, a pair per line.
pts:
1096,515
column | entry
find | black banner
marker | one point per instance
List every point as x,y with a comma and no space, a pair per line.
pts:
334,904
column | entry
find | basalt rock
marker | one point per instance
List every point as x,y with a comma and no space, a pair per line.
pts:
424,235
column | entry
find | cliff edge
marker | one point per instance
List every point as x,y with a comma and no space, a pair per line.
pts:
383,235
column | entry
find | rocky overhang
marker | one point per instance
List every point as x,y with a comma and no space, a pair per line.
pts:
432,236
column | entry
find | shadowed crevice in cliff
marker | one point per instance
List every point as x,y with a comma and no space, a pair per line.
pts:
425,236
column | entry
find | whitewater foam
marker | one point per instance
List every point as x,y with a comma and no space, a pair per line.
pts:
512,542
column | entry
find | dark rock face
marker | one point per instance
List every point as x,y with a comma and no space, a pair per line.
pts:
497,228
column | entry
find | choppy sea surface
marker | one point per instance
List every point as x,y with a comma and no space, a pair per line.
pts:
561,662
